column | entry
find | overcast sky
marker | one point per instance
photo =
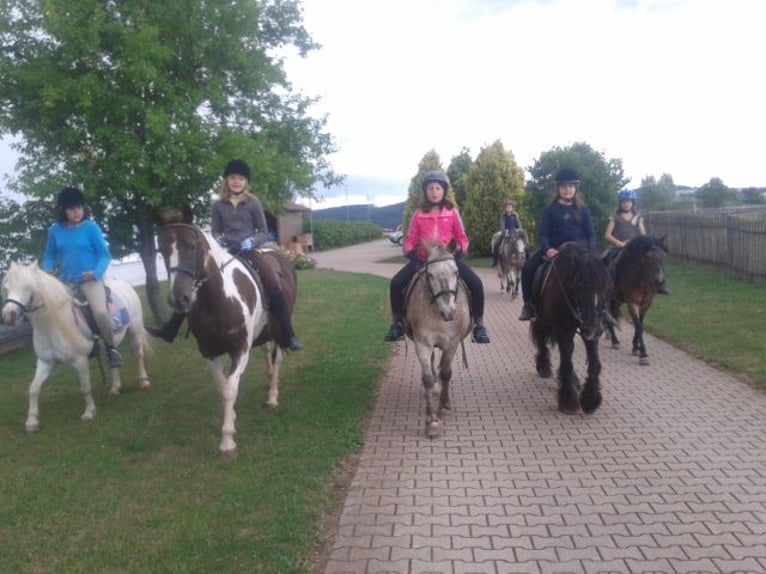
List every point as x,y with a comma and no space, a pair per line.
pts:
668,86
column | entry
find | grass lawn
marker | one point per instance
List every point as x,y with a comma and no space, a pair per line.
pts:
141,489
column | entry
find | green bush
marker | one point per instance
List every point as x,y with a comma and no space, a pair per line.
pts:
332,234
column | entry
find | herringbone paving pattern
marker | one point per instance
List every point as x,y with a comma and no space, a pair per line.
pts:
669,475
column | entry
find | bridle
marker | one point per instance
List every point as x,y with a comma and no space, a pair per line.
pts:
424,272
197,273
25,309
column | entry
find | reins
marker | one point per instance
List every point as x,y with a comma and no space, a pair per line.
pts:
424,270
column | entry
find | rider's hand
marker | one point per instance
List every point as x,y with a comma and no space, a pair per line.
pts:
247,244
551,253
88,276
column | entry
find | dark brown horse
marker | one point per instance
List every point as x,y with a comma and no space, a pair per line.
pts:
573,296
638,271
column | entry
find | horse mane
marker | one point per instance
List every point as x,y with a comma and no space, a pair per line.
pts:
55,298
590,275
639,245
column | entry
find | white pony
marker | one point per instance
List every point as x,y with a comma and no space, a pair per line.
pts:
59,337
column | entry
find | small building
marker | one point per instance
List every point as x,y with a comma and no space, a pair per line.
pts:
288,226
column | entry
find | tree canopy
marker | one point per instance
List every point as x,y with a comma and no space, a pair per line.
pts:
142,103
493,178
600,180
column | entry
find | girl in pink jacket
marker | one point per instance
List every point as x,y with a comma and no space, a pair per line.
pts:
435,219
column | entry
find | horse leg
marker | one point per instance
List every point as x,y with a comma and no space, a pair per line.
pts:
638,343
139,345
543,355
426,358
273,355
42,372
613,311
229,387
568,391
445,376
590,397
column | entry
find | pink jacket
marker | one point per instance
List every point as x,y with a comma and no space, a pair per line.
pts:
439,225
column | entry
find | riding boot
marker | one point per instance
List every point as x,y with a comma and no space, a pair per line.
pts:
170,329
115,360
278,308
527,312
396,331
479,331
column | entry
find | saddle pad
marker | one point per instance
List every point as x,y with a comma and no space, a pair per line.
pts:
118,312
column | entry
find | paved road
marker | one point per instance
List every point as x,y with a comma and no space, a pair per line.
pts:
668,476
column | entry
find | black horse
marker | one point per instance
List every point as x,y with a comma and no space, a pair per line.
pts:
638,271
575,289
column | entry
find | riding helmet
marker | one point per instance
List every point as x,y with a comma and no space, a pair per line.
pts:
509,202
238,167
436,177
567,175
627,195
70,197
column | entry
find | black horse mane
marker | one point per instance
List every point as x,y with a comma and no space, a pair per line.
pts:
637,246
589,275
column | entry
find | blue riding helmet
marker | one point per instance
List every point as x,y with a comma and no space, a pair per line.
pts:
627,195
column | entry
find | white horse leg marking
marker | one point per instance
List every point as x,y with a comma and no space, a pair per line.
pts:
83,371
273,355
42,372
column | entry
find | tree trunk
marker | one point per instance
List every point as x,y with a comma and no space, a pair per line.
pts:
148,254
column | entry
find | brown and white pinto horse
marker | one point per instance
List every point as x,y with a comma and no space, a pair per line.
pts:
226,312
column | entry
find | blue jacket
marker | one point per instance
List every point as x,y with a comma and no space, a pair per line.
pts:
75,250
559,225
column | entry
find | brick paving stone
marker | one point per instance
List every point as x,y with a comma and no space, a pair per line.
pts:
668,476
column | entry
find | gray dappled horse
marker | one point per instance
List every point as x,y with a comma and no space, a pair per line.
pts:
437,317
511,256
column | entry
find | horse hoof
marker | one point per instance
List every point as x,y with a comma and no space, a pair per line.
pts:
615,345
635,352
643,361
433,429
114,392
144,384
32,429
569,409
545,373
272,404
444,411
87,417
227,455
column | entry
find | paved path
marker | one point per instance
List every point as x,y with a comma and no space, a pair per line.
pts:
668,476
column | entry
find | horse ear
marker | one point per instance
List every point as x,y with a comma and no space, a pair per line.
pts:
188,214
452,245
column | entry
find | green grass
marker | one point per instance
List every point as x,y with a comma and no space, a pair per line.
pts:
713,316
141,489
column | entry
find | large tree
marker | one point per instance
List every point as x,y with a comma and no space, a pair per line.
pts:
494,178
657,195
458,168
600,179
141,103
715,194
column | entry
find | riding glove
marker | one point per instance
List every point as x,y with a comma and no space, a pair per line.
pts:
247,244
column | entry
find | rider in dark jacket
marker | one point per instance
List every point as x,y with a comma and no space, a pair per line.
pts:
565,219
508,222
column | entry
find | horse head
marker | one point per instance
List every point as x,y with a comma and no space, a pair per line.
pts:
19,292
441,278
583,286
185,250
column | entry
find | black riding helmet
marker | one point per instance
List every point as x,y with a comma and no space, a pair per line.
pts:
238,167
437,177
70,197
567,175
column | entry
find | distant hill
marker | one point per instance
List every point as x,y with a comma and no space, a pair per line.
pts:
388,216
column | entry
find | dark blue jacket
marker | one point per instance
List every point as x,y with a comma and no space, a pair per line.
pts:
559,225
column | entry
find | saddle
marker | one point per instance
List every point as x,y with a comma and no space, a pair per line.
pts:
542,273
85,321
255,273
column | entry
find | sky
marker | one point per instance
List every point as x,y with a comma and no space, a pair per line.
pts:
667,86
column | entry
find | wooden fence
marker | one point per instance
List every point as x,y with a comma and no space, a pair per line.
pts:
732,239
